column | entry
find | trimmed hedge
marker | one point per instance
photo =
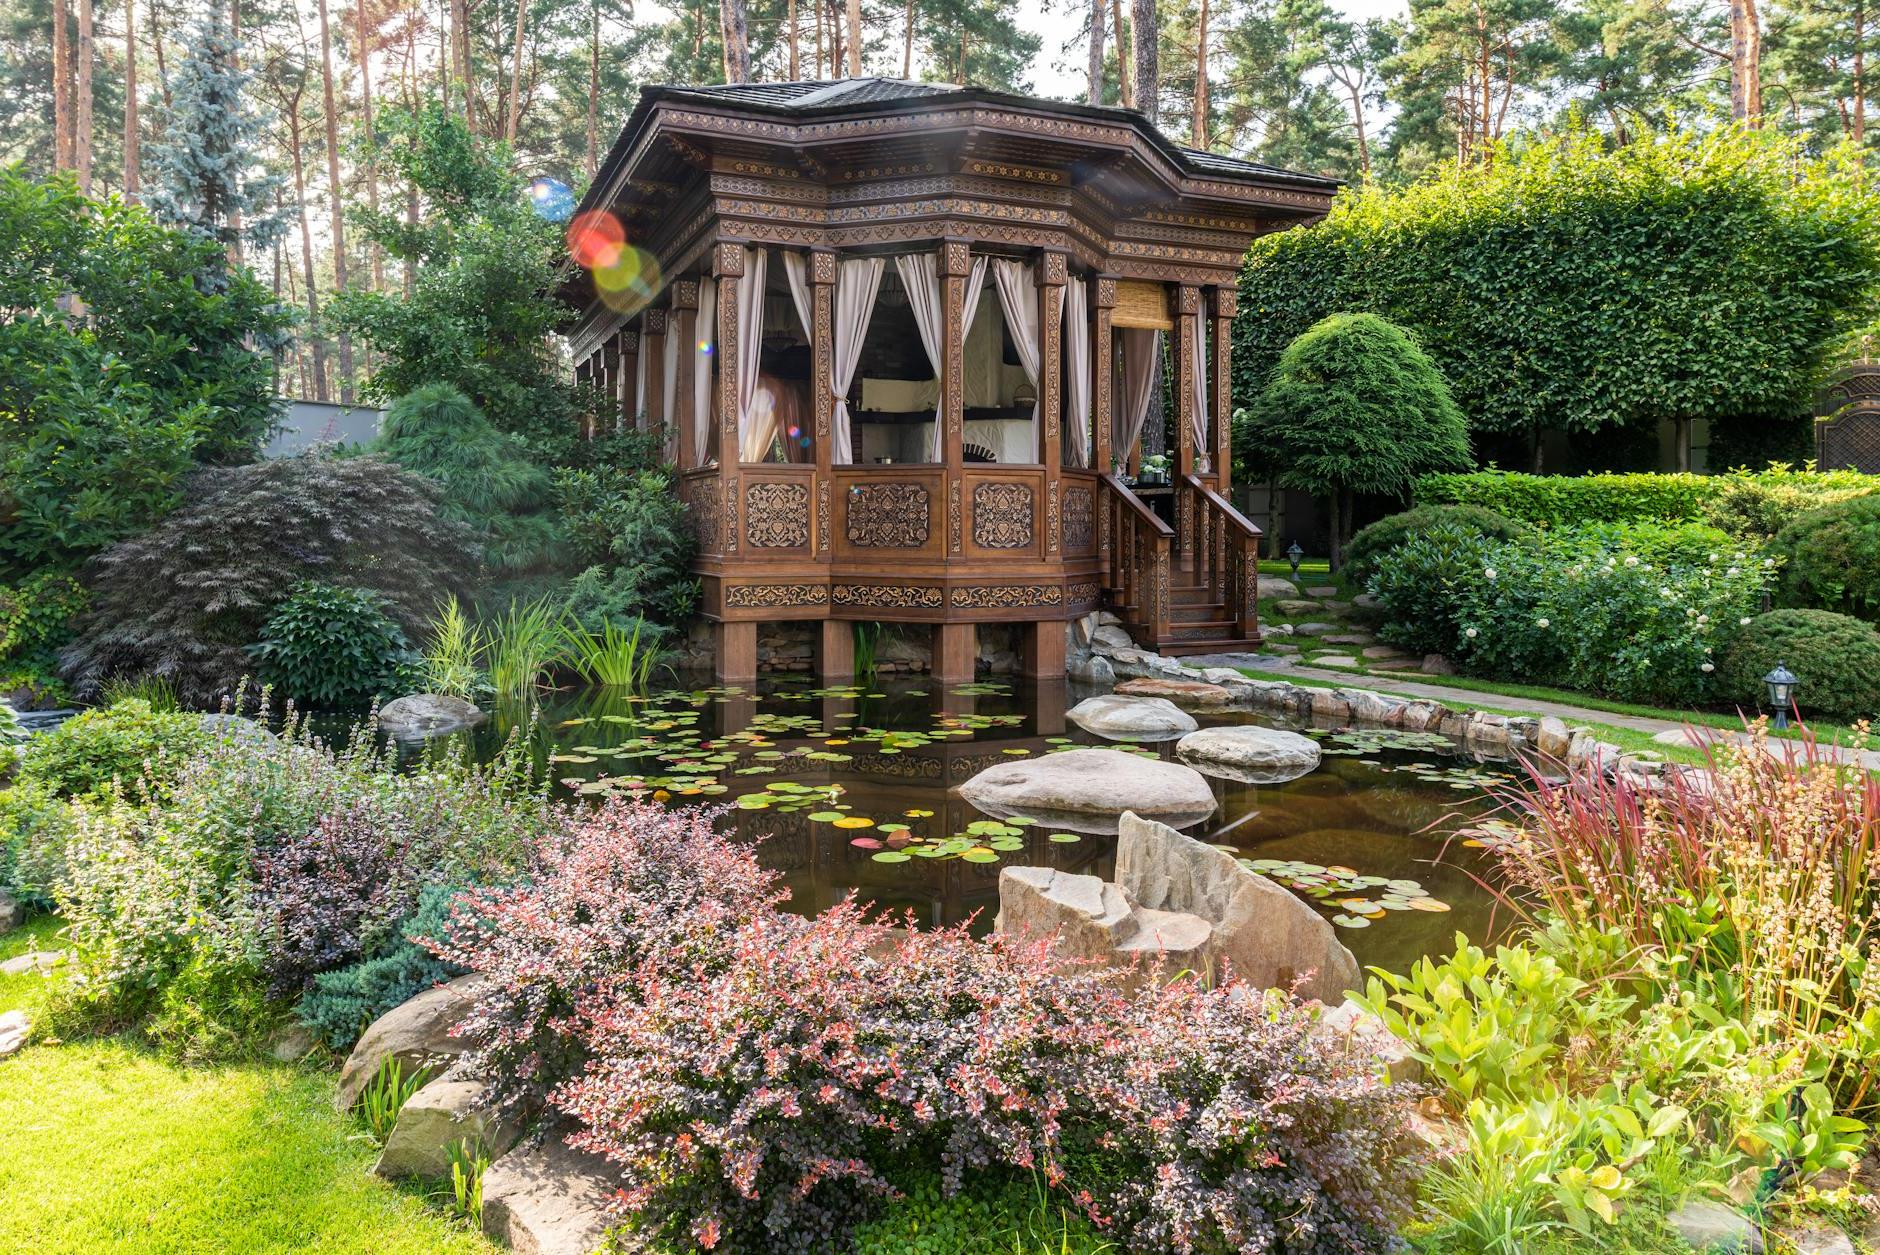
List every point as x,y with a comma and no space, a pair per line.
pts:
1836,658
1747,504
1374,543
1831,558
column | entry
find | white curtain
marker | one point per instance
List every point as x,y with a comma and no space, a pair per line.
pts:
1141,349
638,408
796,269
1077,367
705,330
920,275
1018,298
669,383
857,281
757,419
1198,421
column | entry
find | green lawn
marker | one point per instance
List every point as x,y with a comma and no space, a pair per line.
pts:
103,1147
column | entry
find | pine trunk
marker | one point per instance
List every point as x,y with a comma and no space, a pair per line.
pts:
61,87
460,50
336,199
81,114
1099,16
1125,82
133,157
372,160
514,118
1146,34
594,94
735,33
1745,62
855,38
1198,134
796,66
907,42
314,344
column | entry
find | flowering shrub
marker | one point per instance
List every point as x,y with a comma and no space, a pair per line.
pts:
1831,558
1420,584
323,896
757,1077
122,742
341,1003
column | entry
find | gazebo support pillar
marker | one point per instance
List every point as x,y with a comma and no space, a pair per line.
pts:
735,659
955,652
1041,649
835,651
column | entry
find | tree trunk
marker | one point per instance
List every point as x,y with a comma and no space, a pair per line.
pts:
156,50
1745,62
1145,34
855,38
796,65
1125,83
734,26
907,42
1341,510
81,114
460,49
514,118
314,344
594,95
1098,17
336,199
61,87
365,41
133,162
1199,131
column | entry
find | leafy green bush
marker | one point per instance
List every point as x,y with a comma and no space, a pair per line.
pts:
1367,550
1565,500
1419,585
1836,657
331,647
1755,507
122,743
1831,558
34,824
990,1212
629,528
36,615
488,481
183,600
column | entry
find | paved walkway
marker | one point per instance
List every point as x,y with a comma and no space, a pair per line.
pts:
1664,731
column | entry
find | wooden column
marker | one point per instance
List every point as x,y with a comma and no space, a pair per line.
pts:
822,347
728,272
629,352
1053,273
607,414
653,350
956,263
1221,383
735,661
1103,372
955,650
583,373
1187,309
1041,649
685,326
835,652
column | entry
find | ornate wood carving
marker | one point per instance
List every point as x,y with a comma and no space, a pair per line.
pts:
1002,514
1006,596
1082,592
887,596
822,516
888,516
730,535
775,596
1080,514
1051,518
776,516
953,515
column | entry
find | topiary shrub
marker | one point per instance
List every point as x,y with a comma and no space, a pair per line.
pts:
332,648
1836,657
122,742
183,600
1753,508
1368,547
1831,559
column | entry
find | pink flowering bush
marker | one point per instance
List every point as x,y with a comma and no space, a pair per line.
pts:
761,1079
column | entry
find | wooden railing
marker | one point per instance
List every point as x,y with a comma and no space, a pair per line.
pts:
1137,573
1224,553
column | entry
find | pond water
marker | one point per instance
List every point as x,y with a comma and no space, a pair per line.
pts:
851,790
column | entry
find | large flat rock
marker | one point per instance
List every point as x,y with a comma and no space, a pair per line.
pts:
1090,789
419,715
548,1200
1267,936
1094,919
1197,693
417,1031
1251,754
437,1117
1120,716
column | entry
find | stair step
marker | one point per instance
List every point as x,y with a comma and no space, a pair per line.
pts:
1224,645
1202,628
1199,612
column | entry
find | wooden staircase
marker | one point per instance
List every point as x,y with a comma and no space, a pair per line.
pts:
1186,590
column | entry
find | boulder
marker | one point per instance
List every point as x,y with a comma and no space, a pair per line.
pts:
1250,754
14,1029
12,914
1267,936
1089,788
1091,670
292,1043
1328,706
549,1199
1093,919
1716,1229
1384,653
1181,692
1358,1032
446,1111
1551,738
1818,1240
1293,607
1376,709
1275,586
417,1031
1436,664
1110,636
239,729
41,961
1119,716
421,715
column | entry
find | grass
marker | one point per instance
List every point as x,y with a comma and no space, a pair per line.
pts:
105,1148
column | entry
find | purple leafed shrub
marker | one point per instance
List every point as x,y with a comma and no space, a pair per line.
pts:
756,1077
322,895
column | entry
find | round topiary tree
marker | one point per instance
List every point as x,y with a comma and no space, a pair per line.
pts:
1831,558
1353,406
1836,657
1370,546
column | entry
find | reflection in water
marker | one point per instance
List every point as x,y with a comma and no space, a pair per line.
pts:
853,790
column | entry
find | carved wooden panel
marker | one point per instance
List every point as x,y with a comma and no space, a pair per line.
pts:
887,596
1080,514
776,516
1002,515
1006,596
775,596
888,516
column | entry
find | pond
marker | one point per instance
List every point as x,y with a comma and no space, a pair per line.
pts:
851,789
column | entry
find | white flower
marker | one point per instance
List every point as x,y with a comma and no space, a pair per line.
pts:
1703,618
1631,559
1664,592
1470,633
1769,562
1743,622
1707,667
1541,623
1733,571
1488,573
1690,612
1713,557
1740,555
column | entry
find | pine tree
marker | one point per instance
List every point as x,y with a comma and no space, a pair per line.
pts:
205,173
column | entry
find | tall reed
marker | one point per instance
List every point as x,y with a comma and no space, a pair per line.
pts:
523,645
453,661
614,658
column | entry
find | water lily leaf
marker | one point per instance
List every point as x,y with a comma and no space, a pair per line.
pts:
854,821
890,856
825,817
1064,838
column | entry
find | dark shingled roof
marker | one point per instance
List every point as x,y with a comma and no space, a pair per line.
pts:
804,97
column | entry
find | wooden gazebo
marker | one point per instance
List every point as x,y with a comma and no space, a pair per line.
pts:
902,338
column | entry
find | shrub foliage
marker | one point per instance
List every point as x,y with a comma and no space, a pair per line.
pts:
1831,558
1836,657
1369,549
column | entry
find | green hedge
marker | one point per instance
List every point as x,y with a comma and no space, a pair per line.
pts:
1751,505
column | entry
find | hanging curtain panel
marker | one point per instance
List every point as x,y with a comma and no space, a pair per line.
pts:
706,331
1077,369
920,275
1198,418
858,280
757,411
669,386
1018,299
1141,349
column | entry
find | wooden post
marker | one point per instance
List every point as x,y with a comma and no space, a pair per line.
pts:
607,415
629,351
1226,304
728,270
1041,649
653,349
835,652
1053,273
736,658
1103,373
956,262
822,278
685,311
955,649
1187,307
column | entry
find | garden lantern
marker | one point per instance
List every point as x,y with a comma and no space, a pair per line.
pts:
1293,554
1781,684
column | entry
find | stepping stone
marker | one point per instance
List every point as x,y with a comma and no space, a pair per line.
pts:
1714,1228
1292,608
1323,590
14,1030
1350,638
1364,601
1279,648
33,961
1273,586
1334,660
1337,607
1384,651
1397,664
1316,629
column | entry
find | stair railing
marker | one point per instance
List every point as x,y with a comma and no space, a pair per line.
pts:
1136,576
1225,554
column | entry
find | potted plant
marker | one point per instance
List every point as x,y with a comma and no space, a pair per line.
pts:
1155,468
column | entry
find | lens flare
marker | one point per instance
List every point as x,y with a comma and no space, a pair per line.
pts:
551,198
595,238
630,279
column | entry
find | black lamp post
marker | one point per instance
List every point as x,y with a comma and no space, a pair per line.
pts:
1293,554
1781,684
